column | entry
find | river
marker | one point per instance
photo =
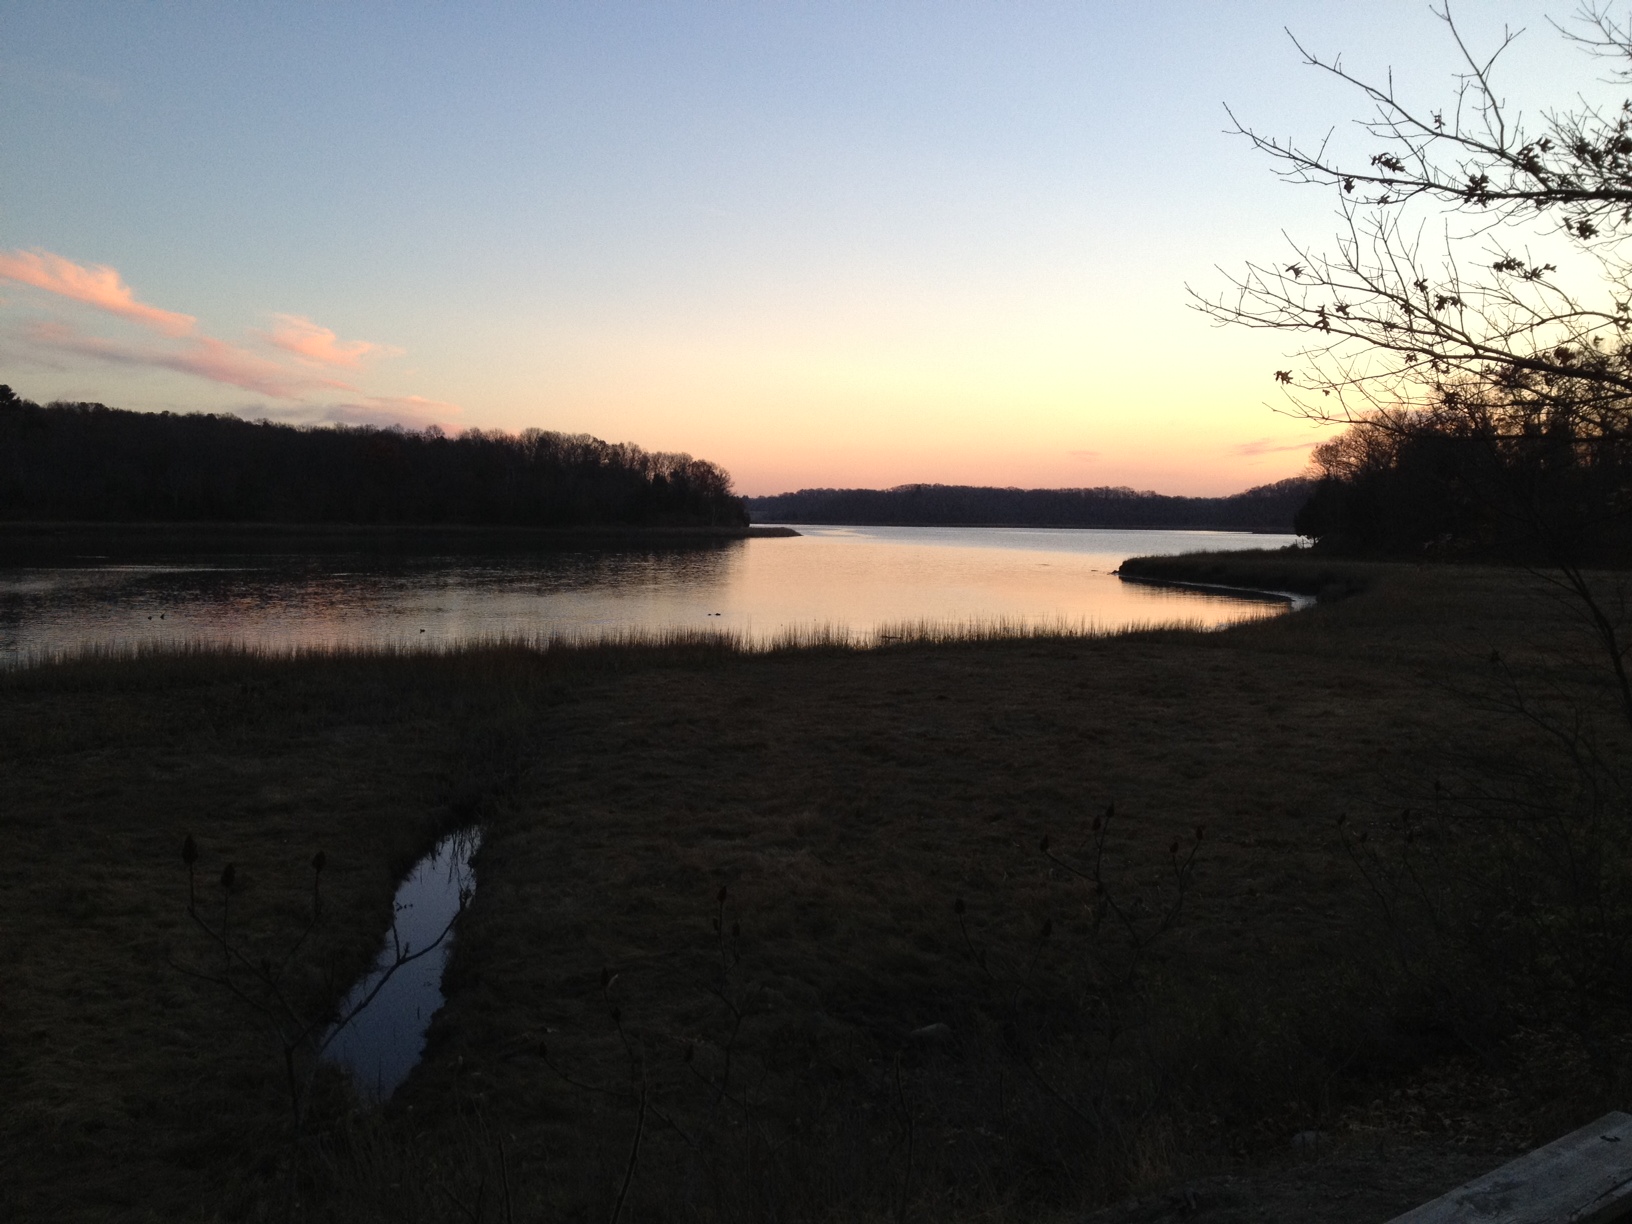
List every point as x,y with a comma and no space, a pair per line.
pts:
869,583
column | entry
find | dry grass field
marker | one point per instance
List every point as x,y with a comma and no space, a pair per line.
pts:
899,1007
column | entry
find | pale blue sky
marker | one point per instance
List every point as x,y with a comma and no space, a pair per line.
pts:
820,243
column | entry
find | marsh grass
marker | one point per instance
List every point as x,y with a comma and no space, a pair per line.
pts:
845,796
607,645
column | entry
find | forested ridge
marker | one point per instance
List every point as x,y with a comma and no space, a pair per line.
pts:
87,462
1269,507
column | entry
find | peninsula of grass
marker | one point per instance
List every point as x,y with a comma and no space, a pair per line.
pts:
776,934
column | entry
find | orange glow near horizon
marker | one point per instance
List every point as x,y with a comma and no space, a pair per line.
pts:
1016,406
1040,394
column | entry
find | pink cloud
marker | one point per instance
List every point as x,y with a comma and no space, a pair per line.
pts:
317,344
1268,446
95,285
202,356
227,363
187,351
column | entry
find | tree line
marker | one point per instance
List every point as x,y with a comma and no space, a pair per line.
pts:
87,462
1542,479
1267,508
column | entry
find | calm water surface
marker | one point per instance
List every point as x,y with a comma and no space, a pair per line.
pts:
870,581
394,1003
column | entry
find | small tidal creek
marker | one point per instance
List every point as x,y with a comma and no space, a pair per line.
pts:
380,1044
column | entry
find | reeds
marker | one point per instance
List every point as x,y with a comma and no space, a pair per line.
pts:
823,636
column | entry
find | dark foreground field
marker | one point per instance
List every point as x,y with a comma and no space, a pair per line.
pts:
907,1009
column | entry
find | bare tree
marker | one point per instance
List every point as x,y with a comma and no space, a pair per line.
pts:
1473,251
1477,292
1470,326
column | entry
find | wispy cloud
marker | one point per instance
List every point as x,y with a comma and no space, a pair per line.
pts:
414,411
1083,455
202,356
297,365
227,363
93,284
1269,446
317,344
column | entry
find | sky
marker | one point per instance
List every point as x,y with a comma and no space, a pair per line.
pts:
822,244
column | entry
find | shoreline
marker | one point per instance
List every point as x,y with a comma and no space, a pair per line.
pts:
1278,573
31,542
1296,602
983,525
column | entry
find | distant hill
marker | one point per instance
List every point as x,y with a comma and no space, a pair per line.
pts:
1267,508
91,463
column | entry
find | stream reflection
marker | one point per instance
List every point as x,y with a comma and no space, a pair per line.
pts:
380,1044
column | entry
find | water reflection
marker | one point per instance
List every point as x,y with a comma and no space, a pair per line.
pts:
380,1044
866,579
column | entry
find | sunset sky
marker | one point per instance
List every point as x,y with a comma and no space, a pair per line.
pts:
820,244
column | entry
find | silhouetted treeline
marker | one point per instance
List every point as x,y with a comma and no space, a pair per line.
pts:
1269,507
89,462
1539,481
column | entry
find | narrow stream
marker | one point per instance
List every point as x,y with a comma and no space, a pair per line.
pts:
381,1043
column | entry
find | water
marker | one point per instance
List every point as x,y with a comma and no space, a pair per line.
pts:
868,580
382,1042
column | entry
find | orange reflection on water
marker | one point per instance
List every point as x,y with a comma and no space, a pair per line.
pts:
861,583
872,580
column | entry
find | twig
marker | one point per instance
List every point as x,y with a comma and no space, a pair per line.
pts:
634,1156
